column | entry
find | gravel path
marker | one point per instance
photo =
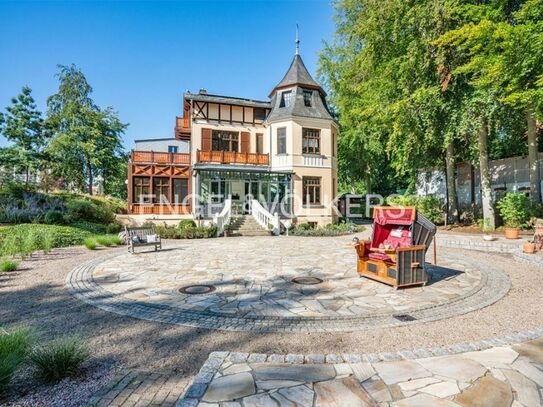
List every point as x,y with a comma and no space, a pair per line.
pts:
36,295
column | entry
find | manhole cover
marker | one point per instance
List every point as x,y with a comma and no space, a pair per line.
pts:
405,317
197,289
307,280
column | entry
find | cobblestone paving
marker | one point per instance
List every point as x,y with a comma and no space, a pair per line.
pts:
254,290
500,376
141,389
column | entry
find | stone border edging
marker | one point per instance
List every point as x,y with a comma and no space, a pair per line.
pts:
493,286
531,259
211,366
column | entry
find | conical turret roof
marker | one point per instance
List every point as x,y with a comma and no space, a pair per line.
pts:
297,74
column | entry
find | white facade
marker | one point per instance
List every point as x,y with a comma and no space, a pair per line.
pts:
162,145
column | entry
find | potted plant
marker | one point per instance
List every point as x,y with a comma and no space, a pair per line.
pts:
227,228
270,228
515,211
529,247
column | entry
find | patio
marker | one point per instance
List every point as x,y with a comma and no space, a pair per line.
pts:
294,285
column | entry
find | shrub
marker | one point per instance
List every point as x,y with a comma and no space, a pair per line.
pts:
186,223
515,210
113,228
168,232
90,243
333,229
14,347
60,358
8,265
86,210
54,218
95,228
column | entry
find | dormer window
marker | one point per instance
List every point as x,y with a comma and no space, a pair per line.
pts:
307,98
285,98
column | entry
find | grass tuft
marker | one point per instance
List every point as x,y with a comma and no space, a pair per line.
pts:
14,347
60,358
8,265
104,240
90,243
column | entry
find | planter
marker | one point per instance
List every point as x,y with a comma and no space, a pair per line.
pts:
529,247
512,233
488,238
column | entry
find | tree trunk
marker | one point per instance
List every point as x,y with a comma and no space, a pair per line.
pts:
486,191
27,176
533,158
89,172
452,199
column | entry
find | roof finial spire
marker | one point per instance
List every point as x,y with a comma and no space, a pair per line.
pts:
297,41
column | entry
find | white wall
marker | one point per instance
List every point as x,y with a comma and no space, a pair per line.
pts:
161,145
507,175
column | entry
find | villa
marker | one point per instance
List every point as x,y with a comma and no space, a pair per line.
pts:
273,159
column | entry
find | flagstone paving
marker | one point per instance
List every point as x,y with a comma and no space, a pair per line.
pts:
254,288
501,376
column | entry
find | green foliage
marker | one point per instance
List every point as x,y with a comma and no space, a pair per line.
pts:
54,217
90,243
26,238
7,265
94,228
186,223
86,210
104,240
86,139
515,210
187,229
23,125
14,347
428,205
59,358
332,229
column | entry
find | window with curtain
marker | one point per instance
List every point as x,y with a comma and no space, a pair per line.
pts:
161,189
311,190
282,140
311,141
141,190
224,140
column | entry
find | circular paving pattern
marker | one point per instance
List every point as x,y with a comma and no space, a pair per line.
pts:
255,289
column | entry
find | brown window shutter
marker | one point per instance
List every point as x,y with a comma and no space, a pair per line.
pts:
245,141
206,139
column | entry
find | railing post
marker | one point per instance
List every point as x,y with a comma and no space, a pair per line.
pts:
277,224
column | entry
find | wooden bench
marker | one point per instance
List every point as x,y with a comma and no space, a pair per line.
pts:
137,236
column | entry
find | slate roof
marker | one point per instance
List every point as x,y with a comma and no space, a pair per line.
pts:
297,80
230,100
297,74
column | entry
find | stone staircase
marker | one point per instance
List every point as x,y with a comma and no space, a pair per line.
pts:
246,225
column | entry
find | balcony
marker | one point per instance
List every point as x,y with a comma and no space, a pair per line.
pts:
232,157
182,127
154,157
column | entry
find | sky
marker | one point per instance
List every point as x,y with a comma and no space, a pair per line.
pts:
140,57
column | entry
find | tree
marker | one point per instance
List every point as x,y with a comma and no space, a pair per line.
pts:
86,140
23,125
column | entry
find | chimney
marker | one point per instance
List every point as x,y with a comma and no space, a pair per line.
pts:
203,91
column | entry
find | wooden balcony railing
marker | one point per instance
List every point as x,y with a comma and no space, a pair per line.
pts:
160,157
232,157
182,122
